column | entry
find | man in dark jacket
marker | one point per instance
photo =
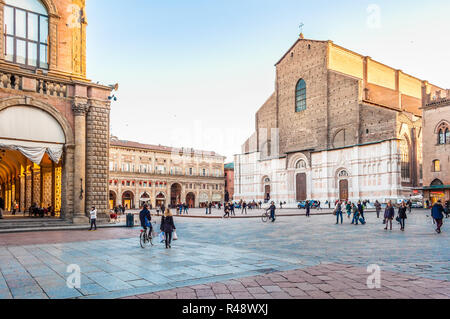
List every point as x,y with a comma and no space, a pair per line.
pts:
146,220
272,209
437,212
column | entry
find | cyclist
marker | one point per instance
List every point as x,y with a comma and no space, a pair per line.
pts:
272,209
146,220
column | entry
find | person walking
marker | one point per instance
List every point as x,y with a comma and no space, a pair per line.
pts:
210,207
402,216
231,207
272,209
339,213
378,208
389,214
186,208
244,208
437,214
206,206
226,209
447,208
361,210
308,209
409,206
93,216
348,208
355,220
167,227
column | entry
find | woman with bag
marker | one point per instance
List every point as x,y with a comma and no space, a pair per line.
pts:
402,216
168,227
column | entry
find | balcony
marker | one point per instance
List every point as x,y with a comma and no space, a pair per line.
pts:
35,83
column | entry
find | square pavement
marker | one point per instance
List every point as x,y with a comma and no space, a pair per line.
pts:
217,251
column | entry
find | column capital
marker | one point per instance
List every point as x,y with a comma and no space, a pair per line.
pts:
80,108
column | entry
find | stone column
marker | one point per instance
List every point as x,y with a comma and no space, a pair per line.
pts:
79,210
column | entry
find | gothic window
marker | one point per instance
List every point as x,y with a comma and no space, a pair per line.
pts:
444,134
26,33
405,159
300,96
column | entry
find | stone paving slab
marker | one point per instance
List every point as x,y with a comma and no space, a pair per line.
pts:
331,280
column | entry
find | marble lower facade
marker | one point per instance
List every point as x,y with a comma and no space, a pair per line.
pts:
364,172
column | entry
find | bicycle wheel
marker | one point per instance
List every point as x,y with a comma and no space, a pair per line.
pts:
144,240
265,217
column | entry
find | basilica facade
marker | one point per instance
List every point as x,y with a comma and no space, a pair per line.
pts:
51,115
339,125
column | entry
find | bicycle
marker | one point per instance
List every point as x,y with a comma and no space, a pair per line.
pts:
265,216
145,240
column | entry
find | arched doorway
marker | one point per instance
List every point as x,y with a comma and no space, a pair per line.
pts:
267,189
112,200
438,192
144,200
175,194
31,165
343,189
190,200
128,200
301,187
160,200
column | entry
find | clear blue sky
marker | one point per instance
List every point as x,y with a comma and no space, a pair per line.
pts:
193,73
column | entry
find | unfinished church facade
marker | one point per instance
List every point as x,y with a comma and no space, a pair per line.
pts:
54,122
338,126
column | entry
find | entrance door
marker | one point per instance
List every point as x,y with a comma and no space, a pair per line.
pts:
301,187
267,193
343,190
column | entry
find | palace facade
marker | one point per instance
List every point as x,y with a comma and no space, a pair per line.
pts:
339,125
51,115
436,147
155,175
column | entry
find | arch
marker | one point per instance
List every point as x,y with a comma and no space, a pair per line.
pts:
175,194
112,199
339,139
128,199
39,6
295,159
342,173
28,101
49,5
436,182
405,158
190,200
441,124
26,123
300,96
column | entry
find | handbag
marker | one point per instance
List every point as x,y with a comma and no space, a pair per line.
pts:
174,236
162,237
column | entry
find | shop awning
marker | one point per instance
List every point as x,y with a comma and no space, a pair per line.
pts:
34,151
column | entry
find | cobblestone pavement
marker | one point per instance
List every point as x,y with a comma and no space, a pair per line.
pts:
326,281
211,251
